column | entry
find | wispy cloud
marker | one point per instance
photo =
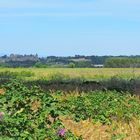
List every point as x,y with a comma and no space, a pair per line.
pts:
32,4
71,8
131,2
54,14
63,3
128,17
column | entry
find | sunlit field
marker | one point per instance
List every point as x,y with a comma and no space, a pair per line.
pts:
87,73
32,112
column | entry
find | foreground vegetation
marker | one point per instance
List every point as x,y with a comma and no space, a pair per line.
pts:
106,110
30,113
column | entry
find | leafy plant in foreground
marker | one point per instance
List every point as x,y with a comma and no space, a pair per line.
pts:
29,114
102,106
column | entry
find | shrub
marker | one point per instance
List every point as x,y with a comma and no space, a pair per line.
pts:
14,75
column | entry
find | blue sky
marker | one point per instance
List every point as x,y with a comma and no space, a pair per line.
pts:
69,27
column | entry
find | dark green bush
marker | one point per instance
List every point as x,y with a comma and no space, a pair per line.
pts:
14,75
7,75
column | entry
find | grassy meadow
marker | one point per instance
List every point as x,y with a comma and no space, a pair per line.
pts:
86,73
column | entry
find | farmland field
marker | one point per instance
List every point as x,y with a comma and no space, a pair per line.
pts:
69,70
87,73
29,112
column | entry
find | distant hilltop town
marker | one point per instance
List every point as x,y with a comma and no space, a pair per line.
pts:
79,61
20,58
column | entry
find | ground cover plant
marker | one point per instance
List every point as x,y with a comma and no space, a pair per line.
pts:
107,115
102,106
30,114
13,75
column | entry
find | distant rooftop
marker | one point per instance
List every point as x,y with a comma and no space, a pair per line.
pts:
99,66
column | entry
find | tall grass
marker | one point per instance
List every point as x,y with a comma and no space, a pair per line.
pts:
87,73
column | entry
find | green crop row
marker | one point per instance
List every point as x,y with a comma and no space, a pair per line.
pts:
102,106
30,114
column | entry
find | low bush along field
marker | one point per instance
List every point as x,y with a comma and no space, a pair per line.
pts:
32,114
87,73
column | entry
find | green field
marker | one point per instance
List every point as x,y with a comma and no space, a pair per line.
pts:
87,73
31,113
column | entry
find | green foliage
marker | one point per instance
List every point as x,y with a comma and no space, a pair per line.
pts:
118,137
40,65
83,64
118,84
32,114
29,114
71,65
25,74
102,106
7,75
77,60
122,62
2,65
60,77
14,75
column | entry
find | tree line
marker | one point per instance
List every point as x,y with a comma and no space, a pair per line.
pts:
122,62
78,61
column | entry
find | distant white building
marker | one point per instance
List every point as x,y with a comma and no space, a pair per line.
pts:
99,66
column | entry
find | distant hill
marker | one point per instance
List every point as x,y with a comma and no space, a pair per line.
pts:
16,60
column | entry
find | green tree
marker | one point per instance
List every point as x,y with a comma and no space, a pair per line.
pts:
71,65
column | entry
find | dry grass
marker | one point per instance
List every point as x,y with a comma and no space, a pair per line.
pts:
2,91
116,131
79,72
86,129
35,105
